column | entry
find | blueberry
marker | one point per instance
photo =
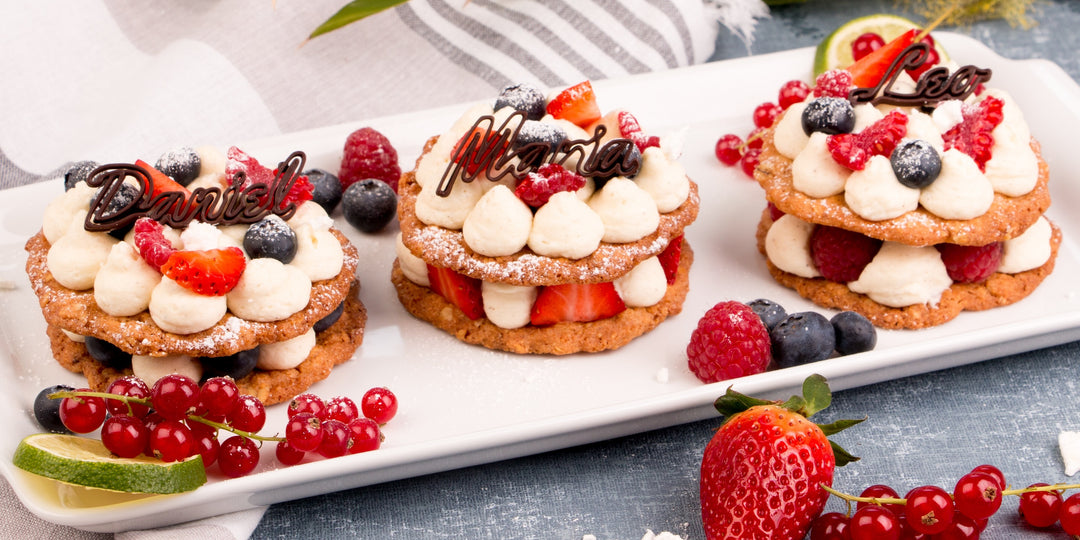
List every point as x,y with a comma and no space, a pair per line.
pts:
802,338
270,238
369,205
124,197
916,163
854,333
770,312
533,132
235,365
608,171
525,98
329,319
327,191
828,115
182,164
78,172
47,411
107,353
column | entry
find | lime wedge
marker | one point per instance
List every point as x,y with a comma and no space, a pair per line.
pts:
86,462
835,50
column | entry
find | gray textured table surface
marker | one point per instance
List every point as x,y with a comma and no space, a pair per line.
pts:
926,429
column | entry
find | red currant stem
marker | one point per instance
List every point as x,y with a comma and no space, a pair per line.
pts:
1055,487
749,139
871,500
229,428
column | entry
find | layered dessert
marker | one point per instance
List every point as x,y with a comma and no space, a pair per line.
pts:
536,224
221,267
906,199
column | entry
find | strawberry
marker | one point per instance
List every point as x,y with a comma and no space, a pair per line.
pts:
238,161
576,303
162,182
762,472
482,148
669,259
212,272
868,70
576,104
459,289
630,128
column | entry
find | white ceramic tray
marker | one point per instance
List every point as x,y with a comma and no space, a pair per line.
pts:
464,405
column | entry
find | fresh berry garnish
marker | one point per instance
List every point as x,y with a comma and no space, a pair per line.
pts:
218,397
130,386
107,353
212,272
766,113
729,149
304,432
576,104
669,259
977,495
829,115
866,44
171,440
47,410
369,154
830,526
369,205
874,523
522,97
174,396
768,311
162,183
994,472
575,302
841,255
867,71
458,289
82,414
234,366
730,341
480,149
237,161
180,164
833,83
551,178
802,338
931,60
792,92
630,128
307,403
248,415
971,264
326,322
756,139
287,455
335,439
1069,515
915,163
1040,508
364,435
541,134
881,491
853,150
854,333
120,202
206,442
238,456
973,136
379,404
326,188
774,212
150,240
78,172
272,238
342,409
749,161
126,436
929,509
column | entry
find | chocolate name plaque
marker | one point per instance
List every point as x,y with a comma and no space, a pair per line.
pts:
238,203
934,86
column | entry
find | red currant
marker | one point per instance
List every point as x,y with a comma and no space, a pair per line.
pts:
124,435
729,149
929,509
977,495
364,435
830,526
218,397
881,491
379,404
1040,508
238,456
174,396
249,414
287,455
308,403
206,445
171,441
750,160
130,386
304,432
866,44
342,409
774,212
151,421
962,528
1070,515
82,414
874,523
755,140
792,92
335,439
766,113
992,471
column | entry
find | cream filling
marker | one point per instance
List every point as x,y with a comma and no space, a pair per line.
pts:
286,354
814,171
507,306
180,311
499,224
152,368
789,137
787,245
644,285
125,282
874,193
960,191
269,291
76,257
62,210
902,275
318,253
628,213
414,268
1028,251
565,227
663,179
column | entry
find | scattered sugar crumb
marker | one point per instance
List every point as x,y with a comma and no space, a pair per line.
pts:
1069,442
649,535
663,375
588,537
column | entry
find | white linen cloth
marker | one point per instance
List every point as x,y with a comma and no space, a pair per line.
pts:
128,79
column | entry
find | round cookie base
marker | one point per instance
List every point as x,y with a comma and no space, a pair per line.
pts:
333,346
998,290
558,339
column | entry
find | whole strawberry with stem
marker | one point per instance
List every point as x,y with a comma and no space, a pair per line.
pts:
762,472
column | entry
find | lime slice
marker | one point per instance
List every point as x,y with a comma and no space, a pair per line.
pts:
86,462
835,50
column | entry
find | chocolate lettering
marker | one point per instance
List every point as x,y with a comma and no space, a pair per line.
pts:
933,87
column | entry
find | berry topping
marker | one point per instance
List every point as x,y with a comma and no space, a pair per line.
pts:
730,341
255,173
768,311
915,163
211,272
853,150
854,333
78,172
669,259
750,160
181,164
117,205
272,238
792,92
162,183
235,366
522,97
379,404
802,338
326,188
533,132
931,60
630,128
867,71
150,240
329,319
47,410
107,353
866,44
459,289
369,154
766,113
833,83
369,205
729,149
480,149
829,115
576,303
840,255
537,187
970,264
576,104
972,136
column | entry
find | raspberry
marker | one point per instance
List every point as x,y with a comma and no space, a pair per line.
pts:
631,129
841,255
238,161
549,179
150,240
730,341
973,136
775,213
369,154
853,150
970,264
834,83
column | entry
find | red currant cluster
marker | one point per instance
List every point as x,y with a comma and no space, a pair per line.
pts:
730,148
931,513
336,427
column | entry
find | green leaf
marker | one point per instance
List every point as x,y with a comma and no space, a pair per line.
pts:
817,395
352,12
838,426
732,403
842,456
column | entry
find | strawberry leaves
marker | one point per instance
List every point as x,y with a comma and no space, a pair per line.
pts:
352,12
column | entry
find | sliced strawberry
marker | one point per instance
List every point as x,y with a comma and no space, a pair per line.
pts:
161,181
150,240
482,148
576,303
238,161
212,272
868,71
576,104
459,289
669,259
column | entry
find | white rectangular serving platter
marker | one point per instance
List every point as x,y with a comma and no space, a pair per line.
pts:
463,405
